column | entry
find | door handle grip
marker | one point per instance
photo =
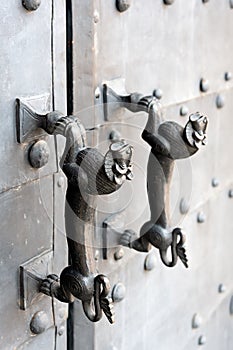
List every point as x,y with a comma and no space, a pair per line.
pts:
169,141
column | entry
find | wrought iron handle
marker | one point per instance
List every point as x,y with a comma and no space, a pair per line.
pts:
168,141
89,174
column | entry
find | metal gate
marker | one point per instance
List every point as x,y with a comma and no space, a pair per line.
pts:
136,74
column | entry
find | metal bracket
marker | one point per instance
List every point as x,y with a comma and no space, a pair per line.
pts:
31,274
29,117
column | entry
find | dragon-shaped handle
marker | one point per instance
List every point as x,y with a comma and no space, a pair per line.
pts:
89,174
168,141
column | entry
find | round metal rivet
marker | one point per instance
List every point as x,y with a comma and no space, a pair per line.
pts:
158,93
39,322
168,2
231,306
118,292
119,254
150,262
215,182
61,182
97,254
231,4
115,135
201,217
230,194
228,76
96,17
196,321
204,85
97,92
202,340
184,206
31,5
61,331
123,5
222,288
39,154
184,111
204,1
220,101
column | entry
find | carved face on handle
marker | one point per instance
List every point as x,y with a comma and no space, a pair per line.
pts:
195,130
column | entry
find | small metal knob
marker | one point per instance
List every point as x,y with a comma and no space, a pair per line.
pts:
39,154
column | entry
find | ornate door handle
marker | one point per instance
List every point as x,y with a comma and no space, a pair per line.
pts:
89,174
168,141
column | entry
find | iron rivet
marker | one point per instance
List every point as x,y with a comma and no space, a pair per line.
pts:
158,93
96,17
204,85
123,5
202,340
231,306
184,111
201,218
184,206
150,262
31,5
220,101
222,288
215,182
168,2
230,194
204,1
39,322
61,182
97,254
118,292
97,92
61,331
114,135
119,254
231,4
196,321
228,76
39,154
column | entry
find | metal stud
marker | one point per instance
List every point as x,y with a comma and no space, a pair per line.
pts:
150,262
204,1
61,182
39,154
61,331
230,193
39,322
114,135
220,101
158,93
119,254
222,288
231,4
228,76
196,321
118,292
215,182
201,218
184,111
204,85
31,5
202,340
96,17
184,206
123,5
168,2
231,306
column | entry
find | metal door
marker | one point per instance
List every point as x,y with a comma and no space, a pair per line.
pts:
181,52
33,67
